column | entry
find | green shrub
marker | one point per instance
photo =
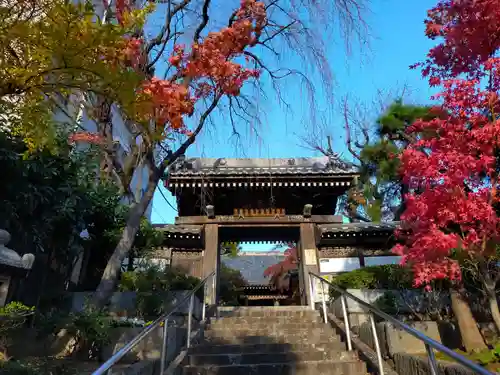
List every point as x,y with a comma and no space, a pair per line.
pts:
389,276
488,358
388,303
231,281
151,286
155,278
90,328
12,316
17,368
41,366
397,280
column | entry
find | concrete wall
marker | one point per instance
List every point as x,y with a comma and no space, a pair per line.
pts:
371,296
124,302
393,340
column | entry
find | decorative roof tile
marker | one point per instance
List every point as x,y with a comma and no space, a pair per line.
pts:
359,227
261,166
179,229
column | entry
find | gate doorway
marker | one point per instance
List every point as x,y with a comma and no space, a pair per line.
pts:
267,261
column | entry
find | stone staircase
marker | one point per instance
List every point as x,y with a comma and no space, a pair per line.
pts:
271,341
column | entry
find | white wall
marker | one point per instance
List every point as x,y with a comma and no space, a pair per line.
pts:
122,135
336,265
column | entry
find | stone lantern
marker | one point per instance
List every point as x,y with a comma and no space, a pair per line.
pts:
13,267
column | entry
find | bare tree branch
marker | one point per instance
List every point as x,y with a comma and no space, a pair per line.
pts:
188,142
204,21
347,128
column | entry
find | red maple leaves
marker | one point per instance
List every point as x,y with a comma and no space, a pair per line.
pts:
471,35
207,68
278,271
452,212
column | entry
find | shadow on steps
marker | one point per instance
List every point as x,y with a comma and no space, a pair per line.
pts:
270,341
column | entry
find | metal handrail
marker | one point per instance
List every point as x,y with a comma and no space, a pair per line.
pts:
430,344
162,319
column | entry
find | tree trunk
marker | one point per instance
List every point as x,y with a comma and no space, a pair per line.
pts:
490,289
495,312
471,337
109,278
402,207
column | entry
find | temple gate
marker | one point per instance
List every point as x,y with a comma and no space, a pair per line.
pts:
245,200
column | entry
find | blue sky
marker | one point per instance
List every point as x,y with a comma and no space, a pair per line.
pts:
397,41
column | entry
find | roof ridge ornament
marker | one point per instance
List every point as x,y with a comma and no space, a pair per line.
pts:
219,162
335,161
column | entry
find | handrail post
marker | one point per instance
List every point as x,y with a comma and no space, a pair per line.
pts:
164,347
377,345
311,291
346,322
323,301
432,360
190,316
214,296
204,307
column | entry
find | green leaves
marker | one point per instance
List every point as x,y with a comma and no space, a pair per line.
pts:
380,165
13,315
231,281
399,116
152,285
52,50
49,199
376,277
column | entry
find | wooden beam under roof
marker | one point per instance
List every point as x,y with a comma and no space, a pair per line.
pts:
255,220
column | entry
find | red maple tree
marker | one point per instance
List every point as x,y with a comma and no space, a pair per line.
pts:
278,272
452,209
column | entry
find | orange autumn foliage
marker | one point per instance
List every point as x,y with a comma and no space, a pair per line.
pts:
206,69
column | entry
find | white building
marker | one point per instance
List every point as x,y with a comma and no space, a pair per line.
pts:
73,114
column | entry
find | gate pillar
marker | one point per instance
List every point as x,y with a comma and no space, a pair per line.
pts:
308,257
211,260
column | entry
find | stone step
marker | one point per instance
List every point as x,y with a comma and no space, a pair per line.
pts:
209,348
267,357
271,332
241,329
278,311
291,338
270,318
258,324
288,368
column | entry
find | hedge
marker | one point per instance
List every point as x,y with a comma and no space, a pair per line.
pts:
389,276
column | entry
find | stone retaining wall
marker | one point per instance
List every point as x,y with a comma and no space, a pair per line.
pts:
124,302
27,344
394,340
406,364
